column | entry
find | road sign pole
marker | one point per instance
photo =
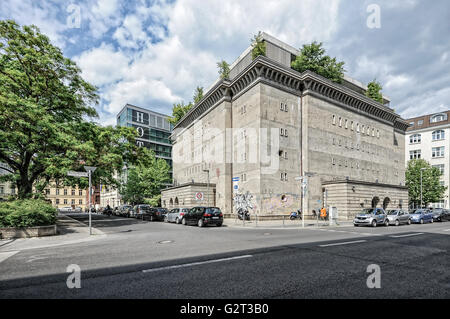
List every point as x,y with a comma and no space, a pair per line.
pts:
90,220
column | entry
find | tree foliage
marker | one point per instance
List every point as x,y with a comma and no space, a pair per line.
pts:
198,94
224,69
374,91
178,111
145,180
432,191
258,46
43,106
312,57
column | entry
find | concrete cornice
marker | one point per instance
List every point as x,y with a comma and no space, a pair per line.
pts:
272,73
355,182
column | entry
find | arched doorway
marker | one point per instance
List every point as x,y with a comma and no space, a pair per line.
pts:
375,201
171,203
386,202
176,202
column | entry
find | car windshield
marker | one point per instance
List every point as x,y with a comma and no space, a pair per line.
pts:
211,210
162,210
367,211
392,212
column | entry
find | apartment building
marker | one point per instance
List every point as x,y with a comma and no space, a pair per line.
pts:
427,137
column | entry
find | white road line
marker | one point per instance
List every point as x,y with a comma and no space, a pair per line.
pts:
446,230
6,255
344,243
196,263
407,235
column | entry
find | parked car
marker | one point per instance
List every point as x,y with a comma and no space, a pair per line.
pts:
398,216
156,213
371,217
440,214
176,215
65,209
139,211
124,210
420,216
203,216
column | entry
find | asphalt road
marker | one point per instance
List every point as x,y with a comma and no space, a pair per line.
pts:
139,259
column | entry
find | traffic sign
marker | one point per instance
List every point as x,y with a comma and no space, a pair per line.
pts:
235,179
77,174
199,196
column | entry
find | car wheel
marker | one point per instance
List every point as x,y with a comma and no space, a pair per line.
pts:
432,220
183,221
397,223
220,224
177,220
152,218
409,221
386,222
421,221
355,225
200,223
374,223
166,219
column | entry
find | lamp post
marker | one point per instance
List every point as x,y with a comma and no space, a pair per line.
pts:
90,170
421,170
207,187
304,186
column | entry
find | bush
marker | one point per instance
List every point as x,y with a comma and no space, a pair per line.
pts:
27,213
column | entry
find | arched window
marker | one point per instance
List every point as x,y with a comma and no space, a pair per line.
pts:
416,138
438,135
438,118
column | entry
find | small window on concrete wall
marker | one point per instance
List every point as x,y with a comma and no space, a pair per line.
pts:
334,120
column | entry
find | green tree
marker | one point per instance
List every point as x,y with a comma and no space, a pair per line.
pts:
198,94
258,46
224,69
374,91
43,106
432,191
178,111
312,57
145,180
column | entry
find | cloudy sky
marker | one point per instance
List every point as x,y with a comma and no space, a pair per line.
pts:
154,53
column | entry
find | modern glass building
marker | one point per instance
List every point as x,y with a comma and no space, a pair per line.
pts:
153,129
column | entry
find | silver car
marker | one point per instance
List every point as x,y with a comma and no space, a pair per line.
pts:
371,217
398,216
176,215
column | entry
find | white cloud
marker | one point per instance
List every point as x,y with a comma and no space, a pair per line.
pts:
102,65
197,35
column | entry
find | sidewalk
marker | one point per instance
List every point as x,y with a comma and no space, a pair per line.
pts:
70,231
280,224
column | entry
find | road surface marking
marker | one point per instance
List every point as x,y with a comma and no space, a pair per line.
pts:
407,235
344,243
6,255
196,263
110,220
446,229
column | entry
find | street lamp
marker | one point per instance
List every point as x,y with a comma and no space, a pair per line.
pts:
304,185
90,170
207,187
421,170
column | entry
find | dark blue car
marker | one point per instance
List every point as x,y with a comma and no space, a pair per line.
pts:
421,216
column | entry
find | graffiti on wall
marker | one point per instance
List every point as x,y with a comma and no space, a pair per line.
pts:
243,201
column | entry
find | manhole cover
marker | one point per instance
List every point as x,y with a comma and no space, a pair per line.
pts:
165,242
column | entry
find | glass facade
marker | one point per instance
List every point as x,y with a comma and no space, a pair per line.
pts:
153,130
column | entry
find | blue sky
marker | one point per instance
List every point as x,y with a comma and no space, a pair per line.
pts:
154,53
